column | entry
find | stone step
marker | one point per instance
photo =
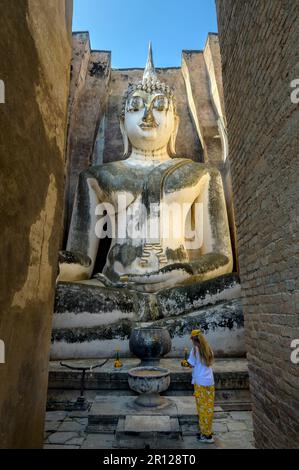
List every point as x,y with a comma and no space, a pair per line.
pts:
233,400
146,430
107,410
112,408
230,374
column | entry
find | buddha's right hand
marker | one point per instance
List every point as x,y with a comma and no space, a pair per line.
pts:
73,266
168,276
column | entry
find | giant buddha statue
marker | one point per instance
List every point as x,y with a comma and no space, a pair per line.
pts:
149,243
164,214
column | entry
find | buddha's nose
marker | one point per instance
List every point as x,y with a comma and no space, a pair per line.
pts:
148,115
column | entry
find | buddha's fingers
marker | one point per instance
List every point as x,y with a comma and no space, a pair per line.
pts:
153,278
159,277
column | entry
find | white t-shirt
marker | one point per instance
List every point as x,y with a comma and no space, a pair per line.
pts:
201,374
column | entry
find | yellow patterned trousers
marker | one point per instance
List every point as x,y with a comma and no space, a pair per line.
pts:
205,398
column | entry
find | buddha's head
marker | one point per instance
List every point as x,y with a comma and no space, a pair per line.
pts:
149,121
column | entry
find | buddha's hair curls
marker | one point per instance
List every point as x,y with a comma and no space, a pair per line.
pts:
150,86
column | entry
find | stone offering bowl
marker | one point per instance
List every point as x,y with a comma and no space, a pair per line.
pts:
149,382
150,344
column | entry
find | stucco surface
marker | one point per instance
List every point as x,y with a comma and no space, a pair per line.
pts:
35,52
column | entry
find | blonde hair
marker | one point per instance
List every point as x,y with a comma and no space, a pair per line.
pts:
202,346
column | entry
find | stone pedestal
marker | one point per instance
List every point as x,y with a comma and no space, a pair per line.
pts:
146,431
149,382
92,321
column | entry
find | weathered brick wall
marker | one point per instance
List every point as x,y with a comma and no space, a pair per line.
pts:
259,46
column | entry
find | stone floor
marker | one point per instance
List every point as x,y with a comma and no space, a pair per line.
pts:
67,430
113,402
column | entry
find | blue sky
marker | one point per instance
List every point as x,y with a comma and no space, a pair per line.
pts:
126,26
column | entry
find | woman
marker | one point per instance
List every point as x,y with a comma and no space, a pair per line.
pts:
201,359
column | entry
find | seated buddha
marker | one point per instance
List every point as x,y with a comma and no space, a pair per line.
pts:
164,214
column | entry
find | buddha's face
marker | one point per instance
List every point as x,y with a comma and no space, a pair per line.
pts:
149,120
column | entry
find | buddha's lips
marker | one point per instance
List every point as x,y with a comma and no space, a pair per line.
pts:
145,126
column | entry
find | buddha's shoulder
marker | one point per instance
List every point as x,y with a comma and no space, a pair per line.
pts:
198,167
111,169
113,176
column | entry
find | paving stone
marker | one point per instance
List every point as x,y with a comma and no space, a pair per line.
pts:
192,443
189,429
249,424
240,415
83,421
61,437
236,426
104,428
236,435
219,427
155,431
77,441
71,426
234,444
167,444
52,426
56,415
78,414
99,441
221,416
55,446
147,423
46,435
156,443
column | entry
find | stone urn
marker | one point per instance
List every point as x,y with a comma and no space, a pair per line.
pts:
150,344
149,382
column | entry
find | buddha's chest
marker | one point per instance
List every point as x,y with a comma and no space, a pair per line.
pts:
166,183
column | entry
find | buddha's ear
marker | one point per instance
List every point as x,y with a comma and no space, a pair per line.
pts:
173,137
125,137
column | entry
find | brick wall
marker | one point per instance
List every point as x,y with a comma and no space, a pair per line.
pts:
35,55
259,46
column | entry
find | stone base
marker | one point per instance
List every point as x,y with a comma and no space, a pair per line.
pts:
165,420
151,400
109,408
112,400
143,431
230,375
92,321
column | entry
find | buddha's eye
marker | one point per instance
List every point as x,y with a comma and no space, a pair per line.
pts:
135,103
160,103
